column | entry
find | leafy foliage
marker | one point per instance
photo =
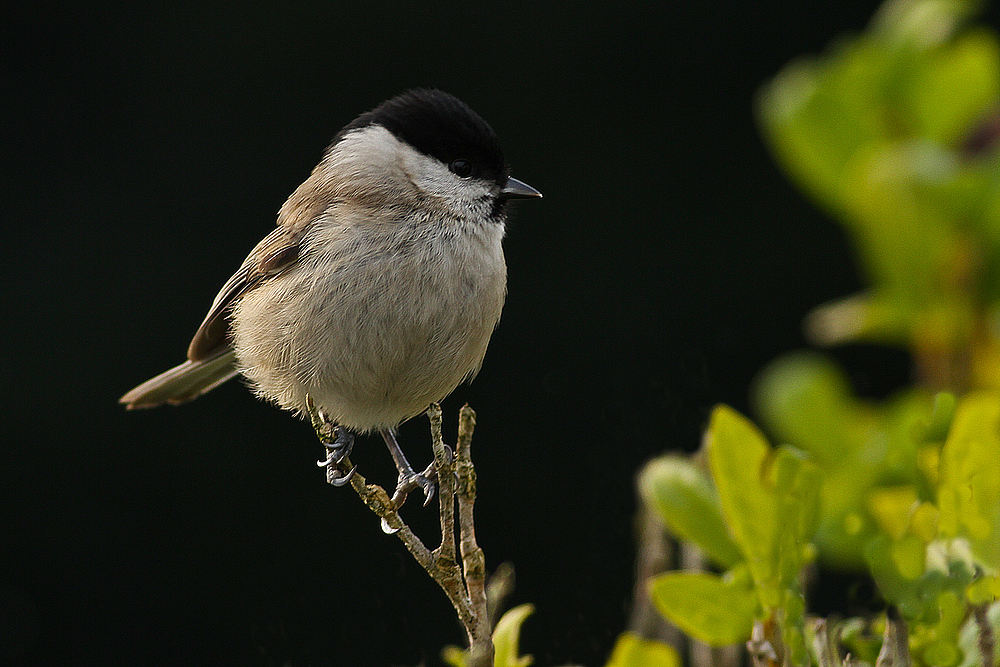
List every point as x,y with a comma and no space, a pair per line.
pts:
683,493
896,133
716,610
932,558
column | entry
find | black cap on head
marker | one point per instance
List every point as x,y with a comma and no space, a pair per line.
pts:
440,125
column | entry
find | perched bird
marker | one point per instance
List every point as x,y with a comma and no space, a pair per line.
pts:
377,293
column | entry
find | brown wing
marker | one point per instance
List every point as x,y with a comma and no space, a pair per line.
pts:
274,254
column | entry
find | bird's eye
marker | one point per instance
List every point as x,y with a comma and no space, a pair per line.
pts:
461,168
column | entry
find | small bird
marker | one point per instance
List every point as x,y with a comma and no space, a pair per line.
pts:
377,293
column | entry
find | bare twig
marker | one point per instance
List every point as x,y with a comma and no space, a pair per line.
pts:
473,559
446,486
464,585
895,643
761,646
655,553
824,646
987,642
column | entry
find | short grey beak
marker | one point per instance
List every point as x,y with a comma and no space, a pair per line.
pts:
515,189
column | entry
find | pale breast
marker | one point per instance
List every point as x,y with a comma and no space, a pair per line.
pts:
374,336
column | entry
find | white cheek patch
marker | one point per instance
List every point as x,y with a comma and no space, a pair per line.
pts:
373,158
433,177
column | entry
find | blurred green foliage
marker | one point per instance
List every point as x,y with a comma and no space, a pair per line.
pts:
896,134
632,650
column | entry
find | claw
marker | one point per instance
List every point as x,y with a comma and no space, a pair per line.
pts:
336,453
408,479
338,478
408,482
429,488
339,449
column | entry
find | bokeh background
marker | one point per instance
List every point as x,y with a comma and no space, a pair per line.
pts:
148,147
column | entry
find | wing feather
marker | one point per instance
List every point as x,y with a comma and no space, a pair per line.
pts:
270,258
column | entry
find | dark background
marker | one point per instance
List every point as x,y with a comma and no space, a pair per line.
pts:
149,149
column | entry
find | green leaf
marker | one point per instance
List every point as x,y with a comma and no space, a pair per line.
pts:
969,492
904,578
507,636
796,484
943,647
983,590
955,87
941,416
711,609
804,399
737,454
770,501
631,650
858,640
892,508
688,504
454,656
901,590
877,131
908,555
792,620
919,24
816,113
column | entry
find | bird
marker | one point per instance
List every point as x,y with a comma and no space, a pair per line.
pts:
378,291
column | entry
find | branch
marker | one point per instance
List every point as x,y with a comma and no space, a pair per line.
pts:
473,559
445,466
464,585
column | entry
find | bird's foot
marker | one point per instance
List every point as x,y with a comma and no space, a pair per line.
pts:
426,481
336,452
410,481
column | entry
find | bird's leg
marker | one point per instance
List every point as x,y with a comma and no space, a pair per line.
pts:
336,452
408,478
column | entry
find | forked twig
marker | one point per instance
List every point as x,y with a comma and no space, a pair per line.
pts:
465,583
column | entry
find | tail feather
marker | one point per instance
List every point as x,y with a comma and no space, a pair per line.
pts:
184,382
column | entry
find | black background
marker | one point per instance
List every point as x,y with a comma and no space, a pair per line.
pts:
150,147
